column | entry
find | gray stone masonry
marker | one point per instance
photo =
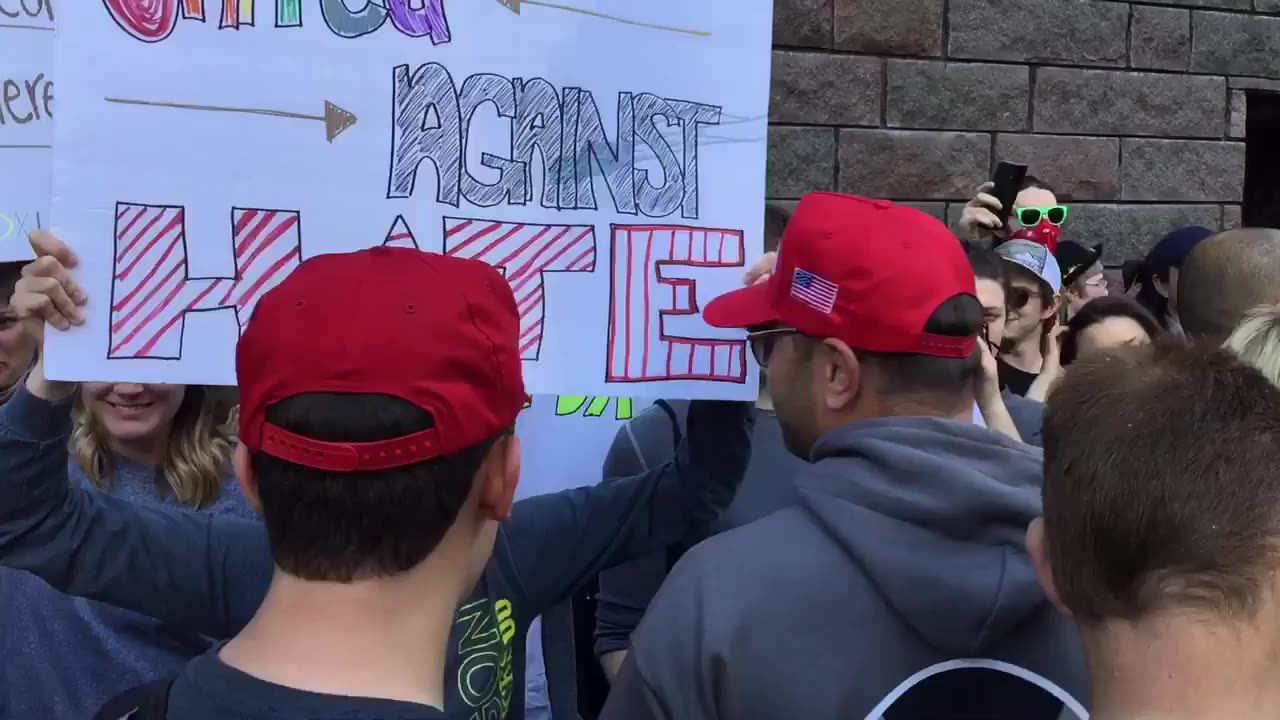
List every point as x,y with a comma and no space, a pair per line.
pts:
1135,111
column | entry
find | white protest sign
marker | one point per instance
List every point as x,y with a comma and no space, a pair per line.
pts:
564,440
26,122
608,156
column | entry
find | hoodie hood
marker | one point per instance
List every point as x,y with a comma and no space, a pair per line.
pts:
934,512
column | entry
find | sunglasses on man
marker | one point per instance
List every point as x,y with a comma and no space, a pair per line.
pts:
1018,298
1030,216
763,342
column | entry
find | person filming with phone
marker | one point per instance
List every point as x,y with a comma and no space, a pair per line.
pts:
1013,206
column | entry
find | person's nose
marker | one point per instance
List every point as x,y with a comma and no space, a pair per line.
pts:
128,389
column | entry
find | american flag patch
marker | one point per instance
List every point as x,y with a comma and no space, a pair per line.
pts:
812,290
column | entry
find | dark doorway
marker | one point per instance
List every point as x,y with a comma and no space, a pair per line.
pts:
1262,160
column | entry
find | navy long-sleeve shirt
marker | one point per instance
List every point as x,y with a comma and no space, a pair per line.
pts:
209,574
65,656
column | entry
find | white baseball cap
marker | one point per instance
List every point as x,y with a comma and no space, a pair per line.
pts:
1034,257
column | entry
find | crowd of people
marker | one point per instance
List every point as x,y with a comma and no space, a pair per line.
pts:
979,481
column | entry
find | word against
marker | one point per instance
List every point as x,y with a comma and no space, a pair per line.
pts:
24,101
432,121
154,20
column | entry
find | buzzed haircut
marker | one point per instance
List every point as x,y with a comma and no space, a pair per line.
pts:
1032,182
1225,277
345,526
924,384
1161,489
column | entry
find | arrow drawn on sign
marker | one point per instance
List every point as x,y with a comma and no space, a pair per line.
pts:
515,6
336,119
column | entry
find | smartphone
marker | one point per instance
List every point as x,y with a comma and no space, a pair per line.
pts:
1008,181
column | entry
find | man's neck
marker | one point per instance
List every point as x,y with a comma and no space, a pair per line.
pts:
1180,667
1025,356
376,639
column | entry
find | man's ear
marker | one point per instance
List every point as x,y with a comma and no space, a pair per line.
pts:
1053,307
498,476
1038,550
843,373
244,474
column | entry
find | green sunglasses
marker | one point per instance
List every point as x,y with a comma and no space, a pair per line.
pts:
1030,216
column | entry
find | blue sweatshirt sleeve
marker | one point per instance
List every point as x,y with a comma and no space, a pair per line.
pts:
195,571
557,542
1028,418
625,591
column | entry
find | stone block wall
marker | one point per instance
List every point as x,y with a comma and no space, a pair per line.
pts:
1134,111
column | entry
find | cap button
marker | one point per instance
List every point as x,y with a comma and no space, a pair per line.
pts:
881,204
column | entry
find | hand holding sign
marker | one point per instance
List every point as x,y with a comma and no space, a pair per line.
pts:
762,270
47,293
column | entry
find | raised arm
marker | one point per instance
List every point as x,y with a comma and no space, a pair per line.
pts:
648,440
558,542
194,571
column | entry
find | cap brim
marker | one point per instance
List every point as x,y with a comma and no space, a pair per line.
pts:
1095,257
744,308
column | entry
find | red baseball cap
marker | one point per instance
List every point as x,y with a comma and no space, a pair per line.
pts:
437,331
868,272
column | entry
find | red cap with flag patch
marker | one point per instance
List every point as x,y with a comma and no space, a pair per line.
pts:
868,272
437,331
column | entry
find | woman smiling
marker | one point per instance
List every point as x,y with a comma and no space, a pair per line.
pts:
171,431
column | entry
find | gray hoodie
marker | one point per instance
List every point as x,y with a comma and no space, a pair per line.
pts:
898,587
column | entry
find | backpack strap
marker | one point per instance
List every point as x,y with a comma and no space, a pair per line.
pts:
145,702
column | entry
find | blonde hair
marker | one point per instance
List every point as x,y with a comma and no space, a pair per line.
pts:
195,463
1256,341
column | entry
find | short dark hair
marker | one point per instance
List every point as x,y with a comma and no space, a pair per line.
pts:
1160,486
1095,311
347,526
10,274
1031,181
987,265
924,383
1225,277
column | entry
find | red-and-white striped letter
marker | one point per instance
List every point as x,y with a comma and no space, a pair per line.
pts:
153,287
641,299
523,252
